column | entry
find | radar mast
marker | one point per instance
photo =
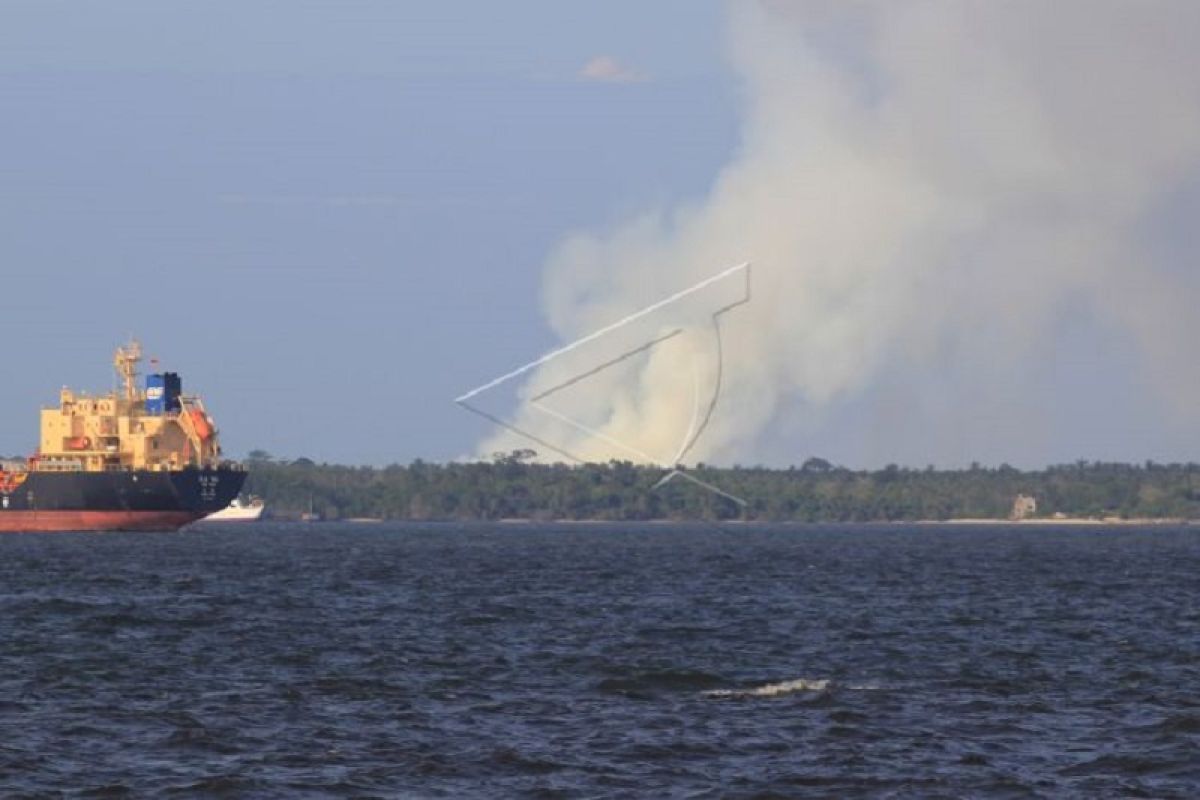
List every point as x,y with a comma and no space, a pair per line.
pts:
126,360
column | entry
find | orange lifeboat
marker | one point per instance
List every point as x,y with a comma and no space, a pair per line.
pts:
200,423
11,481
79,443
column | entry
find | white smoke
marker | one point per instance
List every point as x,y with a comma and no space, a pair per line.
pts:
916,182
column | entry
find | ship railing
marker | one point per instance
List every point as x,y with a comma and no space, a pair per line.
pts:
59,465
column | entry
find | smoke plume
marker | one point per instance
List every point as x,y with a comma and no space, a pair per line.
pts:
916,183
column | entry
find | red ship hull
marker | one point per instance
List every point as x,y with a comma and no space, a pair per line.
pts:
75,521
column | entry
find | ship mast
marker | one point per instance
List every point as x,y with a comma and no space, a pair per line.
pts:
126,361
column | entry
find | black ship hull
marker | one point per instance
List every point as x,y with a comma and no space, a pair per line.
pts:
107,501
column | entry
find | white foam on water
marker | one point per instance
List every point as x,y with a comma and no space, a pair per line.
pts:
773,689
789,687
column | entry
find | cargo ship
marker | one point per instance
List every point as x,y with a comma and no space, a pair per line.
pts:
143,458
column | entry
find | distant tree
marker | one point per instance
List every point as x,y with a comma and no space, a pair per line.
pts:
521,456
817,492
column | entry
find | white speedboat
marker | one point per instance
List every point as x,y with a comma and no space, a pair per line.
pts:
239,510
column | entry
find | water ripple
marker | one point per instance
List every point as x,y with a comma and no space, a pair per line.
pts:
601,661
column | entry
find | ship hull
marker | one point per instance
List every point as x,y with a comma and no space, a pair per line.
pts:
115,501
100,521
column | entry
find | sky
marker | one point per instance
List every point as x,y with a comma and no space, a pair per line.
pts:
334,217
330,217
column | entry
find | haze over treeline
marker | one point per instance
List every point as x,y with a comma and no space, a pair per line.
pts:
973,224
936,196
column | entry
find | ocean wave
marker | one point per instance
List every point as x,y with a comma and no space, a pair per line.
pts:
783,688
773,689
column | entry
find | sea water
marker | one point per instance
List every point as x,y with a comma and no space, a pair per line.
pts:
442,660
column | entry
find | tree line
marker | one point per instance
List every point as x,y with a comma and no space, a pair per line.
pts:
511,486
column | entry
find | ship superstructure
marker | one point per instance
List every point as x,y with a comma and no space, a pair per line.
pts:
154,428
142,457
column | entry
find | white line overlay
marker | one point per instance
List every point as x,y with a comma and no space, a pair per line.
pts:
673,469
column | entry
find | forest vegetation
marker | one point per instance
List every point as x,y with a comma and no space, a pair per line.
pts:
512,486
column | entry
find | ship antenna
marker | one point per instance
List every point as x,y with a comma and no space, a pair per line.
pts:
126,361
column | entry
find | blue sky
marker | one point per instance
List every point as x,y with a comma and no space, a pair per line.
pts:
330,217
334,217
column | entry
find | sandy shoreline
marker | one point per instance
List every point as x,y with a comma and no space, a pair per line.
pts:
1107,521
1027,523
